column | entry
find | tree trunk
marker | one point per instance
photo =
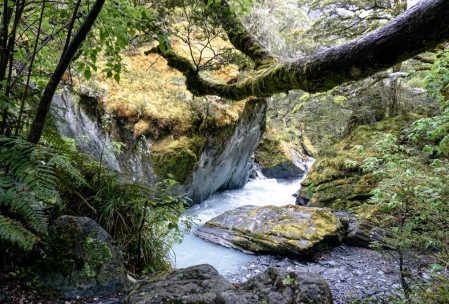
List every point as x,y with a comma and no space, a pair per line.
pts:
44,105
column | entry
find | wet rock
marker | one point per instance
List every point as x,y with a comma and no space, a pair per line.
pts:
203,284
196,284
283,286
82,259
283,171
287,230
226,160
346,219
279,159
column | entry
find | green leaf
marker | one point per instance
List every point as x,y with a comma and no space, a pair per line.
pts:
103,35
87,74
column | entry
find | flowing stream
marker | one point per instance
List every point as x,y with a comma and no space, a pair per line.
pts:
352,272
260,192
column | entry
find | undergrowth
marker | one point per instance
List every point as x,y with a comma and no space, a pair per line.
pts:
40,182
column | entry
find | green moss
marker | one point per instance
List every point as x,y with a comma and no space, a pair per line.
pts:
64,255
333,183
177,159
269,153
98,253
61,257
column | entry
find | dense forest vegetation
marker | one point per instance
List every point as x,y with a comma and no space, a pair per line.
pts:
362,86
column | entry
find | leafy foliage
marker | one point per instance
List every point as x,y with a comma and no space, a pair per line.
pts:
335,20
40,181
144,221
28,184
434,131
411,198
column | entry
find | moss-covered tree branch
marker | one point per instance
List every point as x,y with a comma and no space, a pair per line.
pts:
421,28
239,37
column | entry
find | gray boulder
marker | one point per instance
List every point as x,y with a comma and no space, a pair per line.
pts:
82,259
283,170
363,233
203,284
288,230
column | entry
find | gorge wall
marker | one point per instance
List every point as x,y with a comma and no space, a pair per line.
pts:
203,162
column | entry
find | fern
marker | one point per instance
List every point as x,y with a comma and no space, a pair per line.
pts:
29,179
13,232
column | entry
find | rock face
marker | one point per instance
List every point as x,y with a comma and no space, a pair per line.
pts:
84,259
361,232
203,284
226,162
288,230
201,163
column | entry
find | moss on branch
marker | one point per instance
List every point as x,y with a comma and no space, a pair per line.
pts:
421,28
239,37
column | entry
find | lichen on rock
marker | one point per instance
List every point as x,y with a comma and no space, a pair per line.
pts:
288,230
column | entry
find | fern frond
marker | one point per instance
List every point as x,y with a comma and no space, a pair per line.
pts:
13,232
22,204
61,163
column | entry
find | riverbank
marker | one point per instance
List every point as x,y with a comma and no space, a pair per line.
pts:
353,273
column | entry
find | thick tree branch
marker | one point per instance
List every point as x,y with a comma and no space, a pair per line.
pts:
239,37
422,27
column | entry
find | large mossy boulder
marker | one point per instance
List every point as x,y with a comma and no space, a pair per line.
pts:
336,179
288,230
82,259
203,284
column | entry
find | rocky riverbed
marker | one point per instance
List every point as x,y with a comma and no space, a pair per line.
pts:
353,273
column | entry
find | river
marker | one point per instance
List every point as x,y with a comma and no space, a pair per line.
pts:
260,192
353,273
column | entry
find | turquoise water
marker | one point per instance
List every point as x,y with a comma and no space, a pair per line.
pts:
260,192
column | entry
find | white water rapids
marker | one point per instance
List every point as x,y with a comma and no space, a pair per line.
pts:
260,192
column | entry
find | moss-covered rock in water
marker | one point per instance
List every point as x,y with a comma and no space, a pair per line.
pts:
336,179
178,158
288,230
279,159
81,259
274,161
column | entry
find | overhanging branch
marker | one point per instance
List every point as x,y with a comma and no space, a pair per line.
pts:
422,27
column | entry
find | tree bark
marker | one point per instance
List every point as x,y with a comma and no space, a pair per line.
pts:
420,28
239,37
44,105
